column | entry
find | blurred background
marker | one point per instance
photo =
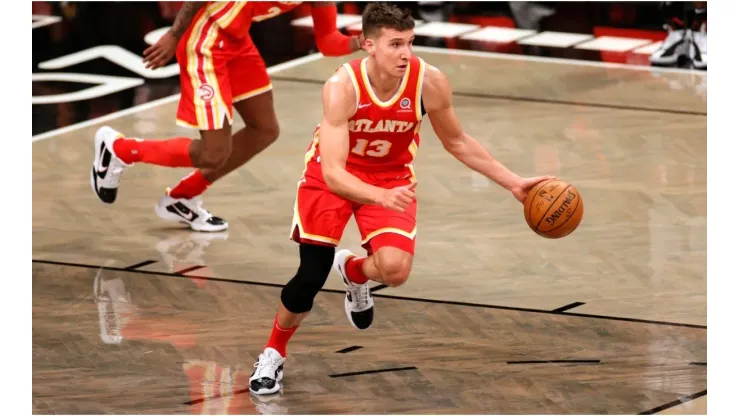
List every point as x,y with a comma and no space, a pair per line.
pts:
668,34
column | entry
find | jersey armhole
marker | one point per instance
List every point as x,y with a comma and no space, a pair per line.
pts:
355,85
420,110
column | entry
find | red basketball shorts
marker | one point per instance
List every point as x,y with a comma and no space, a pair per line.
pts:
320,216
216,70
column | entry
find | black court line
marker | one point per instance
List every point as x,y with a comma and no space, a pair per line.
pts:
555,362
674,403
514,308
349,349
142,264
533,100
189,269
423,300
378,287
695,363
568,307
359,373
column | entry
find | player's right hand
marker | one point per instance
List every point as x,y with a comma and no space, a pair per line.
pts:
157,55
398,198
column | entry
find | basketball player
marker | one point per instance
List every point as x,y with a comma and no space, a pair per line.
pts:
220,68
360,163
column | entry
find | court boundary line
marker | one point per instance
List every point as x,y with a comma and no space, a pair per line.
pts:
342,292
141,264
555,60
382,370
532,100
568,307
677,402
161,101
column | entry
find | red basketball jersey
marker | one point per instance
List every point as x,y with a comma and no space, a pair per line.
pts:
263,10
383,136
236,17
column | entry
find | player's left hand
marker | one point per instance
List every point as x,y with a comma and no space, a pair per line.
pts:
521,189
157,55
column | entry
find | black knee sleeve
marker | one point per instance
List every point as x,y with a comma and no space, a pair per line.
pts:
297,296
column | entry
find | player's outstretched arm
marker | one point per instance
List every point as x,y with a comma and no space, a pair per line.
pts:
329,40
339,105
437,95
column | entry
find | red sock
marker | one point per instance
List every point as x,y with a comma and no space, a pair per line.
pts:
354,270
190,186
174,153
279,338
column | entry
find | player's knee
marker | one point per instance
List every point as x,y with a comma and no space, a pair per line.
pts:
271,132
395,274
298,295
394,267
267,128
214,157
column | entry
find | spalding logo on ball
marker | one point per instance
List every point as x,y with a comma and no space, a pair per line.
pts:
553,209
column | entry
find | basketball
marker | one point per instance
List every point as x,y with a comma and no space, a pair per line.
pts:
553,209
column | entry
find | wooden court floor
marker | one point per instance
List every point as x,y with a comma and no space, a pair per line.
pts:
133,315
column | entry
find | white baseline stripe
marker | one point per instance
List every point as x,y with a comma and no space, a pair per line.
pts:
156,103
576,62
43,20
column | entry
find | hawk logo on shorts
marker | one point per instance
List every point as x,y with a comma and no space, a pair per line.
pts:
206,92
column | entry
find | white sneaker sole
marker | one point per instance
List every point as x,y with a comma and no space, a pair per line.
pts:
273,390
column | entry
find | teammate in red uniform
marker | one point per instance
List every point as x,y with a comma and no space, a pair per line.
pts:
220,68
360,163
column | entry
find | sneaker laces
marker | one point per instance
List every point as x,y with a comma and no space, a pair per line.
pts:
361,293
196,204
199,204
266,367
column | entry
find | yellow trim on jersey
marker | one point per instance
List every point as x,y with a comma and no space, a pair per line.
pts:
413,173
353,78
370,91
183,123
252,93
304,235
419,84
311,151
296,213
412,149
392,230
225,20
218,105
209,72
192,67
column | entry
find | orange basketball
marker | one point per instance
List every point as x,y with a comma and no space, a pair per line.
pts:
553,209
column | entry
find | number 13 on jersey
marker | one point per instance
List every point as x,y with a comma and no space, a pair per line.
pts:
376,148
